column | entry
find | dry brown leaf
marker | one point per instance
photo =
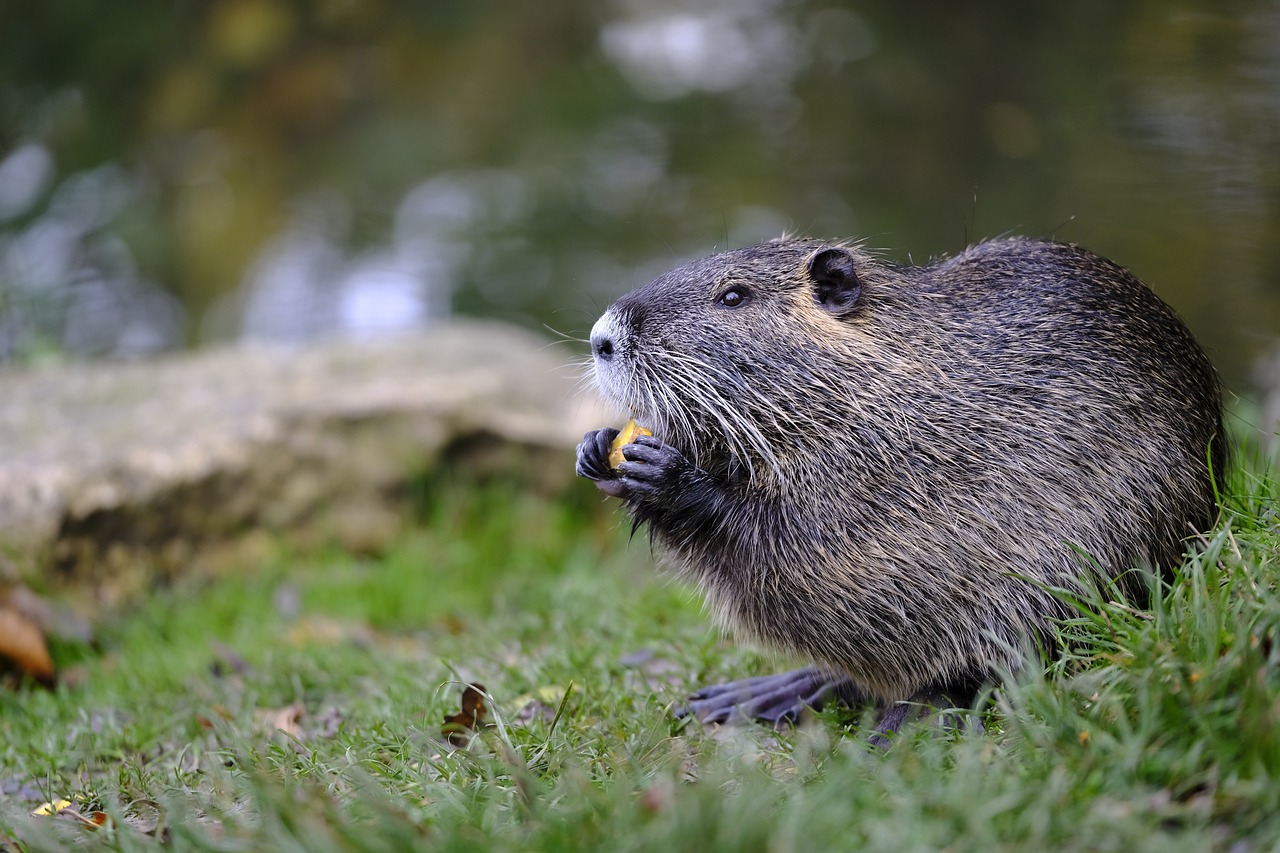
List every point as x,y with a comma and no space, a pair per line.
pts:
91,820
458,728
22,643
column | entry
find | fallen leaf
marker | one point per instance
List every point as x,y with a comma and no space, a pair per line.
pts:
285,719
88,820
458,728
51,807
61,809
22,642
93,820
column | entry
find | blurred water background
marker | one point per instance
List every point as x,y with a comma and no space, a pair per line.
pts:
179,173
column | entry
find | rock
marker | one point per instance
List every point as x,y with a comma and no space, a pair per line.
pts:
112,473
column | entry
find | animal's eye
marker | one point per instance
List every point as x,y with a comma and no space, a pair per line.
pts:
733,298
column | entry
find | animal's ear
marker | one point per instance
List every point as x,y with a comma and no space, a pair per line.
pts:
835,281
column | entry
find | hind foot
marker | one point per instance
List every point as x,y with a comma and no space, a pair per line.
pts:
773,699
780,699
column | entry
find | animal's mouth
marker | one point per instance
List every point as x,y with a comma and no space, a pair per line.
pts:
617,384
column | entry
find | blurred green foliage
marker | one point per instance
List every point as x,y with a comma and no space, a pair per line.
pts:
532,161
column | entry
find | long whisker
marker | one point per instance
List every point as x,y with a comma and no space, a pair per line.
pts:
564,337
743,437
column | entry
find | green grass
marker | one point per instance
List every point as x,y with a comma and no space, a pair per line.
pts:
1155,730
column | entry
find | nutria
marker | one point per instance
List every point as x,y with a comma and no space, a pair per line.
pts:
888,470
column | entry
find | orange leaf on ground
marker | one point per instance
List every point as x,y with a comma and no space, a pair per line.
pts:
22,643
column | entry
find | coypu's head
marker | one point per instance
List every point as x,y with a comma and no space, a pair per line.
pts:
713,355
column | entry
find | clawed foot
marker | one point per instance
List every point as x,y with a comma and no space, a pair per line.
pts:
652,467
593,455
774,699
778,700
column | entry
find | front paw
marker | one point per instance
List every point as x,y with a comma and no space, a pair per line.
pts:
593,455
652,469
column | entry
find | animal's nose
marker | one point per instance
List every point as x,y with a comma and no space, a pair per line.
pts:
605,337
602,346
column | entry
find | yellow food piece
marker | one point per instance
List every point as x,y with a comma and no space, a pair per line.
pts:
52,807
625,437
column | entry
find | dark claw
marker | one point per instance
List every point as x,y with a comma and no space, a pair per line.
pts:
593,455
640,480
648,458
653,470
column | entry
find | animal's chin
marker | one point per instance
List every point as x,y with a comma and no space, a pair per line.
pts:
618,393
618,386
